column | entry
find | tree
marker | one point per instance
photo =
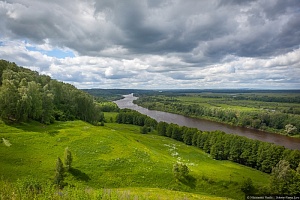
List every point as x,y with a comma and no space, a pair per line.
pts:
247,186
68,159
290,129
188,135
169,130
176,133
47,105
9,96
36,100
180,170
59,173
282,178
144,129
162,128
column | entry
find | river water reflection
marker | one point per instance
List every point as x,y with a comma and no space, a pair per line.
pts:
205,125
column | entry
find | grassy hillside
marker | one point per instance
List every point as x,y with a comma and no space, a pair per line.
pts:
118,156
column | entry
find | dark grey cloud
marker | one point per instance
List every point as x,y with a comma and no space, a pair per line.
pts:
175,39
157,27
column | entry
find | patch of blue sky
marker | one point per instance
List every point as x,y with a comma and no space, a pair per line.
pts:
57,53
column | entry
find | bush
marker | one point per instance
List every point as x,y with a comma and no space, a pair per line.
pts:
144,129
180,170
247,186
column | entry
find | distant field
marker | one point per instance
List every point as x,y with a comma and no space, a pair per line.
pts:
118,156
244,101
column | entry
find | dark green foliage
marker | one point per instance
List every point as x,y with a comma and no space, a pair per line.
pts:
247,186
170,130
25,94
162,128
127,116
293,157
284,179
68,159
108,106
59,173
176,132
144,129
180,170
188,135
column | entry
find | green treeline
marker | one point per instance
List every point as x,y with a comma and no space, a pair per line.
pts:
264,120
127,116
108,106
24,95
263,156
265,98
253,153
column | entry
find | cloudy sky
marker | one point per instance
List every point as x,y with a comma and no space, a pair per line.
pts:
156,44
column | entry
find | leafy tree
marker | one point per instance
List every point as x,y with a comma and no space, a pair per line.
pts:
176,133
59,173
23,104
47,106
247,186
290,129
8,99
170,130
217,149
162,128
188,135
24,94
282,178
144,129
36,100
180,170
293,157
68,159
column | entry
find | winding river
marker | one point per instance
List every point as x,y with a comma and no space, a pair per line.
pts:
205,125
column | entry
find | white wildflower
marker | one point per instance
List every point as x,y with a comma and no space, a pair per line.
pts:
6,142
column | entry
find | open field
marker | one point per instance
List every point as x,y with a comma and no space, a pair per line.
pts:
118,156
248,102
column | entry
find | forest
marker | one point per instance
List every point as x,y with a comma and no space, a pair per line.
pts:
26,95
276,112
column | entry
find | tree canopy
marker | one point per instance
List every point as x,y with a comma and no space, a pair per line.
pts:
25,94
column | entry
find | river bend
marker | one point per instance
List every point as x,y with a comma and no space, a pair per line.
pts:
206,125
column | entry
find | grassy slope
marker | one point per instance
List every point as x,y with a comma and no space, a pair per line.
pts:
117,156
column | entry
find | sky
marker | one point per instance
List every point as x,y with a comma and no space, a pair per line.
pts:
156,44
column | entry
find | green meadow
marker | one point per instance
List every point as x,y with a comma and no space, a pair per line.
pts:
234,101
118,157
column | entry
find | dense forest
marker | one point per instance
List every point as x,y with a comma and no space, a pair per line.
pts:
282,163
26,95
282,121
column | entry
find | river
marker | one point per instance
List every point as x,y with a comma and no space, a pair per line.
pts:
206,125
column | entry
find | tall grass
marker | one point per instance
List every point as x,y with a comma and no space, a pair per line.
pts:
30,189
